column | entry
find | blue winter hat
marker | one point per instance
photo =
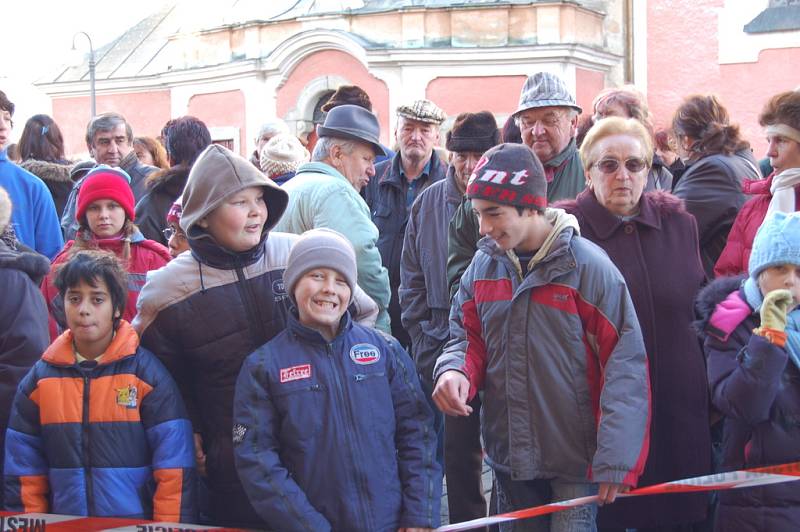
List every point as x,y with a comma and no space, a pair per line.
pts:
777,242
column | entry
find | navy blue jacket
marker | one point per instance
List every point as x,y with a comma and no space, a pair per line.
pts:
385,195
757,388
335,436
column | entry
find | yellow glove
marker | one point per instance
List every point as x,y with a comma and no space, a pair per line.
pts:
774,309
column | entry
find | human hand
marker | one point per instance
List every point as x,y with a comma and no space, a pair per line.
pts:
608,491
451,392
774,309
199,454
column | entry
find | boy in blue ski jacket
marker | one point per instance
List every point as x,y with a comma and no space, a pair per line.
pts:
331,429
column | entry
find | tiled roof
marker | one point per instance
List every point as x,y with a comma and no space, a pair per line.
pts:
146,49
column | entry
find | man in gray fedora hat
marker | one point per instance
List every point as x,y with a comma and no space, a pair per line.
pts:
325,193
547,116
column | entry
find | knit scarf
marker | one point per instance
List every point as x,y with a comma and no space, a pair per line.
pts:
752,294
782,189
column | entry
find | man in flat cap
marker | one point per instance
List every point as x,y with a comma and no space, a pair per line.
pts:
324,193
425,300
397,184
547,116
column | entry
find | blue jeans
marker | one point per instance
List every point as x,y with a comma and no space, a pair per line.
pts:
519,494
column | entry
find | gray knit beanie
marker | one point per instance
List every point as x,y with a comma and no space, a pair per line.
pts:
321,248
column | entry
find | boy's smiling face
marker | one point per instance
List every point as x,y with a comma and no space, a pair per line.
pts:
90,316
322,296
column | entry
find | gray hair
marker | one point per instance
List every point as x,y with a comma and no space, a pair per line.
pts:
323,147
272,128
106,122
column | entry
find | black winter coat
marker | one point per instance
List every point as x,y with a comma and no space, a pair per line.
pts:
57,178
23,324
711,189
151,211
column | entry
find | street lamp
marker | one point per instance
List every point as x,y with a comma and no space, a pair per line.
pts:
92,65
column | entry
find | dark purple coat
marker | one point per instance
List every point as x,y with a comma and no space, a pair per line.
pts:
755,386
657,253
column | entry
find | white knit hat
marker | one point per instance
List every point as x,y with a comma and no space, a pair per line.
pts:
283,153
5,209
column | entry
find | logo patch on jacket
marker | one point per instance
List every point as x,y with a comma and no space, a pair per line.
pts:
239,432
127,396
278,290
365,354
296,373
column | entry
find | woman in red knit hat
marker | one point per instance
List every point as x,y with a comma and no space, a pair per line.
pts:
105,213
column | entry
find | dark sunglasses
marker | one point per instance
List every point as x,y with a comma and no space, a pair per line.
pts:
610,166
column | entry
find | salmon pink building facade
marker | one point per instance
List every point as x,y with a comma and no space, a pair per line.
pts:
248,62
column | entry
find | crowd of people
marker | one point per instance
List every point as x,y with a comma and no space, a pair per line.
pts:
314,337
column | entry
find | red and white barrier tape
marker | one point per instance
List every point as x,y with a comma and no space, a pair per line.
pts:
36,522
745,478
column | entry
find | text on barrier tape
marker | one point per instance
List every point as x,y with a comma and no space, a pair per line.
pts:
744,478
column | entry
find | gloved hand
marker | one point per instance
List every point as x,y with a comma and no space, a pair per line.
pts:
774,309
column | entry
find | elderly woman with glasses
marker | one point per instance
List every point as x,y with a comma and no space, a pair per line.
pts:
653,241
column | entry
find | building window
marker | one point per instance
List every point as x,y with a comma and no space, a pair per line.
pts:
225,136
780,15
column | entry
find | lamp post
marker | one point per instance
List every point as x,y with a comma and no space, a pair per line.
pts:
92,65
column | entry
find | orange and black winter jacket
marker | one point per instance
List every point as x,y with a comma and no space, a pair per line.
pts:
108,440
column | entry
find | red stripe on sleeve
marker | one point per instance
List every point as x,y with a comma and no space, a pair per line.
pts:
475,361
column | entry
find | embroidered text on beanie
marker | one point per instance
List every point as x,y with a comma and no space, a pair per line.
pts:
510,174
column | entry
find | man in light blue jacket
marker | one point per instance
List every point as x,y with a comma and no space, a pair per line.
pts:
325,193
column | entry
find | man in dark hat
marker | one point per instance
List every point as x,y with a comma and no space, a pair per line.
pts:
544,325
324,193
355,95
397,184
425,303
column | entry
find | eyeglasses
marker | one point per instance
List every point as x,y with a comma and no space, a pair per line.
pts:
551,119
169,232
610,166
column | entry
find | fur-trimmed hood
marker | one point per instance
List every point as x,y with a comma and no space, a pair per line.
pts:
28,262
176,175
47,171
710,296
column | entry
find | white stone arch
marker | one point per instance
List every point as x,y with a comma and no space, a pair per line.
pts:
300,117
280,64
287,55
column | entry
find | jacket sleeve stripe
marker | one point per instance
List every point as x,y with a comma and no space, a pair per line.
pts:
63,397
117,398
171,444
475,361
167,500
33,493
24,454
598,330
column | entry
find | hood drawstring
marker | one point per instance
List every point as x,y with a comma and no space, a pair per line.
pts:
202,284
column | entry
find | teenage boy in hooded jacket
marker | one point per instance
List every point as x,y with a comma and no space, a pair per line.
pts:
544,325
205,311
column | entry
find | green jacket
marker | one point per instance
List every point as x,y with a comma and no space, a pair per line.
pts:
567,182
319,196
